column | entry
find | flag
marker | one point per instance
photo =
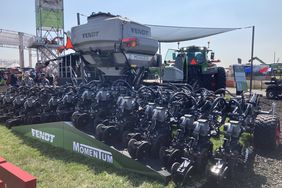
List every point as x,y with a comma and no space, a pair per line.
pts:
263,70
247,69
68,45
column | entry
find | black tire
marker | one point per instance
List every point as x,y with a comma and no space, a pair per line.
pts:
83,120
174,167
3,118
207,81
74,118
125,138
99,133
249,164
44,118
267,132
271,94
160,141
143,151
36,119
132,148
109,135
220,78
177,178
163,156
53,118
175,157
97,120
13,122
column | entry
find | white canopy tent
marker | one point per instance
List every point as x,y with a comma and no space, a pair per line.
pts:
178,34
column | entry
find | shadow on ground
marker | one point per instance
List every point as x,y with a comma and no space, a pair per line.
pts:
245,180
276,154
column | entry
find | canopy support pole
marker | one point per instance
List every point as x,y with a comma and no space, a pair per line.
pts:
160,52
252,58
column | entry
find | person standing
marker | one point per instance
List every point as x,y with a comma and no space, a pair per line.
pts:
14,80
44,80
50,77
28,81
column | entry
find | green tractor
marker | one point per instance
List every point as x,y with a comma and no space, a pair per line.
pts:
193,65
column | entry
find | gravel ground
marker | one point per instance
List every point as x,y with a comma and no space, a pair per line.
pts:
267,171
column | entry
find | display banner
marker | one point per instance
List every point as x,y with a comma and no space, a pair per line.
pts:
49,13
65,135
240,78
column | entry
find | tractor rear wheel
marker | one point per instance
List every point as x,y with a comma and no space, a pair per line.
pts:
220,78
267,132
208,81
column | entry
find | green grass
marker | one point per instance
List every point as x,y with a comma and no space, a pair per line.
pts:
56,168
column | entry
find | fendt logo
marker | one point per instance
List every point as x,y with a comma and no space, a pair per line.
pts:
92,152
139,31
43,135
90,35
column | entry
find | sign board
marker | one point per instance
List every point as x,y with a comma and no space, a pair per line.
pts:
49,14
64,135
51,4
240,78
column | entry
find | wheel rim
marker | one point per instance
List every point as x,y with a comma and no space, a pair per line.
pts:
277,135
270,94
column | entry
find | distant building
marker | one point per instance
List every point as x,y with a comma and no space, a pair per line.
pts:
5,63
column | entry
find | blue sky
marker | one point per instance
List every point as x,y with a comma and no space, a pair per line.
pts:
266,15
